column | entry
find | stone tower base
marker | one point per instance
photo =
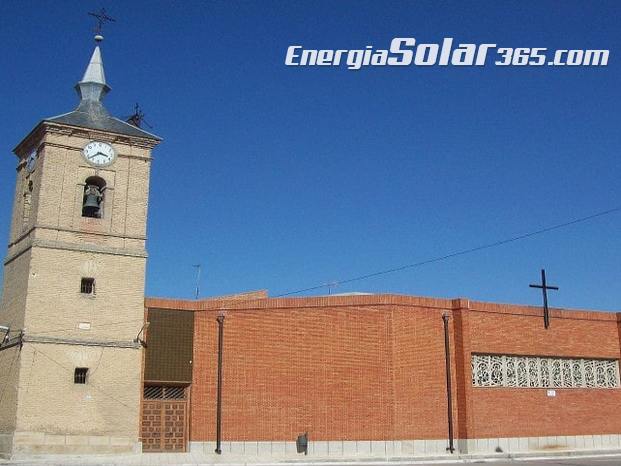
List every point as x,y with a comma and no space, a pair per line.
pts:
26,444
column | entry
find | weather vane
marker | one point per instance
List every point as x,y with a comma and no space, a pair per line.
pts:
102,18
137,118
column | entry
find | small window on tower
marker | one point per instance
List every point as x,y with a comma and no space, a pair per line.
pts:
87,286
79,375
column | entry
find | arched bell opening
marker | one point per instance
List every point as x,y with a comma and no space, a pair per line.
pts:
93,200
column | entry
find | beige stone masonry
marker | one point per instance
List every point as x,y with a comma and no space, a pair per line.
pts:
51,249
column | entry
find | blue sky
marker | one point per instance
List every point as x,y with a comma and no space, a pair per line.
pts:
284,178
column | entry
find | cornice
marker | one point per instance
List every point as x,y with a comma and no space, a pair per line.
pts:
48,127
59,245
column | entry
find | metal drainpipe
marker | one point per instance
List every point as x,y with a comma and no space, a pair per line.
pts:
449,391
218,450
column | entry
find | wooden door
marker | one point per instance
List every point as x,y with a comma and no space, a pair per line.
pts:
164,426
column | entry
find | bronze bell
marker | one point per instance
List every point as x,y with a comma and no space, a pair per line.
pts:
92,201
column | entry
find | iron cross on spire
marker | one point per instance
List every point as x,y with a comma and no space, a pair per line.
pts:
544,290
102,18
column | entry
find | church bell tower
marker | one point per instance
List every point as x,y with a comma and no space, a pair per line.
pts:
70,367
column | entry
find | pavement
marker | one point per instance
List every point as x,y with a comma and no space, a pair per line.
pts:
557,458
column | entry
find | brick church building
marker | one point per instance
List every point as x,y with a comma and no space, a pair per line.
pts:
88,365
366,375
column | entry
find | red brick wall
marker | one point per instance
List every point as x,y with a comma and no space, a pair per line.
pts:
373,368
339,368
291,371
420,376
515,412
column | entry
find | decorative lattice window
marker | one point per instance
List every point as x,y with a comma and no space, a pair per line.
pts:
493,370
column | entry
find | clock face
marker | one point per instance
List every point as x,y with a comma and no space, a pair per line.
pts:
99,153
31,161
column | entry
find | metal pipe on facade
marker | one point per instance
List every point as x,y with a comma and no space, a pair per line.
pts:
449,391
218,450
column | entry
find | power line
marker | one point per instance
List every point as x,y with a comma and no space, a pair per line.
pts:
456,253
402,267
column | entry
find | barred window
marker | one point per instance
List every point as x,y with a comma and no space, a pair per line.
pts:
87,286
493,370
162,392
79,375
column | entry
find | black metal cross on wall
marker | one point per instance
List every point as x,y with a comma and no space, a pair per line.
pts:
544,290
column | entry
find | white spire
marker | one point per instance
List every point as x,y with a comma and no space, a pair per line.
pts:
95,71
93,86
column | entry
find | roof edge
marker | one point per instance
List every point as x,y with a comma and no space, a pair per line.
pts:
144,134
148,136
266,303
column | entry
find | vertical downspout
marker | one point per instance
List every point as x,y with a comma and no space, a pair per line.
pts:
449,391
218,450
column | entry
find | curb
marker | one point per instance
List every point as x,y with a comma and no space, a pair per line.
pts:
151,459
